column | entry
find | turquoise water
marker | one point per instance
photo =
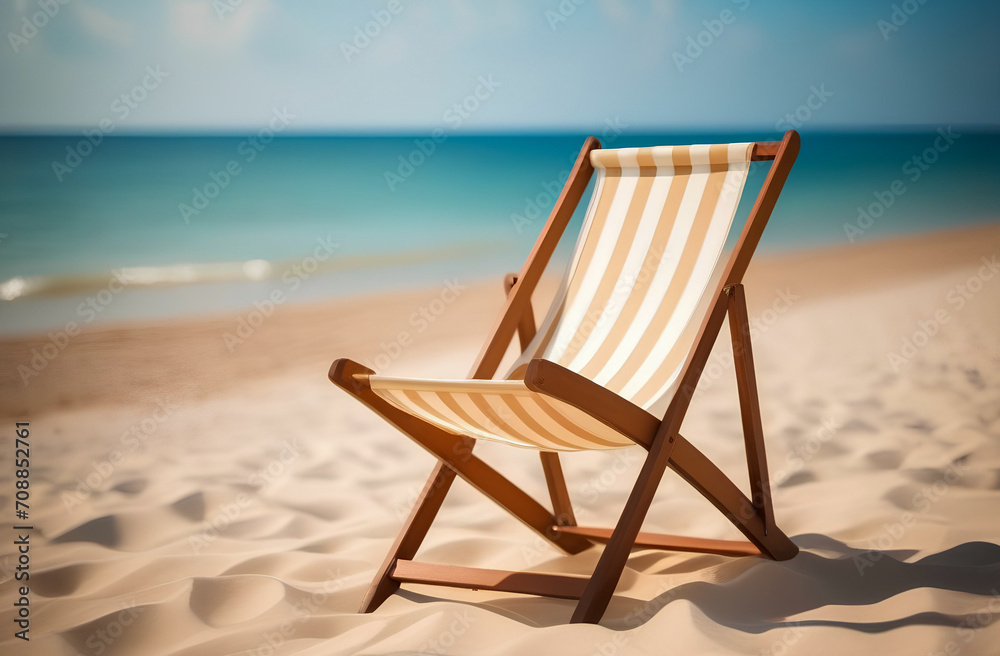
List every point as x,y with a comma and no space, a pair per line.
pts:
202,224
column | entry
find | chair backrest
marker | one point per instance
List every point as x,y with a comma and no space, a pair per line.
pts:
655,228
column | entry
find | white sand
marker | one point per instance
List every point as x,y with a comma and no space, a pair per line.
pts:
888,481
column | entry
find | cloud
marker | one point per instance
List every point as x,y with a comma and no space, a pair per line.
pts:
216,25
616,10
104,26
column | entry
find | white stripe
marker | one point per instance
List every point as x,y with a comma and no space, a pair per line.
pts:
575,313
533,348
547,422
444,413
673,250
583,420
638,249
522,431
695,289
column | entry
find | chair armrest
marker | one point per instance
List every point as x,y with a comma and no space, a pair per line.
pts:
553,380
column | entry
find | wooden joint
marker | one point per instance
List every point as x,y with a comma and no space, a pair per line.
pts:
765,151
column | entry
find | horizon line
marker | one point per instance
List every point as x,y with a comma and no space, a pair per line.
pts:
916,128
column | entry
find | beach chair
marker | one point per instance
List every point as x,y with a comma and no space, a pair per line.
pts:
614,364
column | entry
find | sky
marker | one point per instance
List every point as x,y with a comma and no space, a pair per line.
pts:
223,66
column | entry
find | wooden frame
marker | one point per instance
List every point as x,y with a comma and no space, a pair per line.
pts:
753,516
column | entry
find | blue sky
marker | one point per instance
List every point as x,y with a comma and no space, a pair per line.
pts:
552,65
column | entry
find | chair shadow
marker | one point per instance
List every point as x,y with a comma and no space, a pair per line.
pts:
763,594
762,597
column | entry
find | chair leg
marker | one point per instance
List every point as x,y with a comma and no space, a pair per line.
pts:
410,537
753,432
562,508
605,578
692,465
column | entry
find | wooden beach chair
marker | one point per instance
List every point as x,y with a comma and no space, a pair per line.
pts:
614,364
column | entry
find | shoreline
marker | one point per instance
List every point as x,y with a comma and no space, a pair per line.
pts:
135,359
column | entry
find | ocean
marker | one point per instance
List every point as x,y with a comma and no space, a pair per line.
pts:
180,226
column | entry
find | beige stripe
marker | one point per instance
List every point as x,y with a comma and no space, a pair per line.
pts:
692,248
396,399
654,255
553,325
498,422
448,399
525,416
594,315
544,343
607,159
571,427
414,401
593,236
671,365
514,419
677,354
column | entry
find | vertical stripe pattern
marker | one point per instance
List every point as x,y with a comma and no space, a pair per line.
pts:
651,240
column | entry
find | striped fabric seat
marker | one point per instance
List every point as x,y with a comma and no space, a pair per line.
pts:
626,311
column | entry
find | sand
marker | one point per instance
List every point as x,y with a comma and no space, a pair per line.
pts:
191,500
